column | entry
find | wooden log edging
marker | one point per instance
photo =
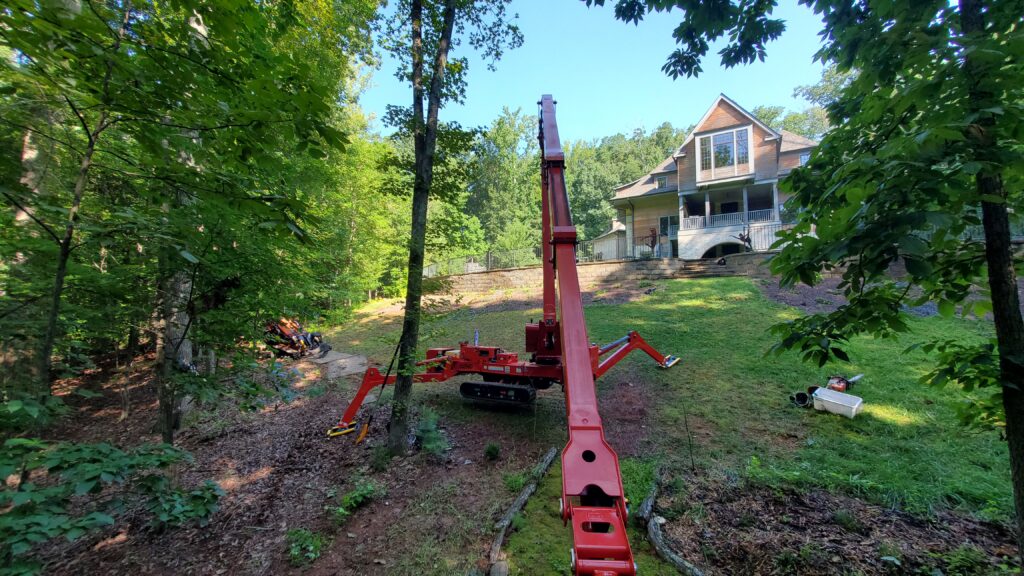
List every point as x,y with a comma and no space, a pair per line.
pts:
499,567
646,515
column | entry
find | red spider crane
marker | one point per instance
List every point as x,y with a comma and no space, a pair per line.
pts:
592,496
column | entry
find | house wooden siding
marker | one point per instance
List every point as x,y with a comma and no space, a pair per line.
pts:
790,160
686,164
648,214
725,116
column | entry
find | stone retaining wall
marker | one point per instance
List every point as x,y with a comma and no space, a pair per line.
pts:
595,273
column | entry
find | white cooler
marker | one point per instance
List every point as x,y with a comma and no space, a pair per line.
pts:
837,402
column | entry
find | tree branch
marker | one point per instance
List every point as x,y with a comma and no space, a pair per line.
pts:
81,119
43,225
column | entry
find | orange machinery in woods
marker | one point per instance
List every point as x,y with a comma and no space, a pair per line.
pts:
593,500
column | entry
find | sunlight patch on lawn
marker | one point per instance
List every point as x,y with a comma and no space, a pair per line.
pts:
893,414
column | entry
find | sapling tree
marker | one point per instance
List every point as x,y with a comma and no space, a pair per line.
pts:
421,35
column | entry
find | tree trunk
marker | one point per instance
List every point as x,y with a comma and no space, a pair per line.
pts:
425,136
19,367
1002,277
176,349
46,347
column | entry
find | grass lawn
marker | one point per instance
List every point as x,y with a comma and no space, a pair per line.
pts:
906,449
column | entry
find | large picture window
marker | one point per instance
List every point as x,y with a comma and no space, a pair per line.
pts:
724,149
724,154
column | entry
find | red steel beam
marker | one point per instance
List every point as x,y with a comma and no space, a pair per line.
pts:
592,495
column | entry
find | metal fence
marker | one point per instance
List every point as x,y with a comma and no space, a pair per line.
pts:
611,248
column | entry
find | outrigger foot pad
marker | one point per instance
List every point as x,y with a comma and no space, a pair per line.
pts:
670,361
341,430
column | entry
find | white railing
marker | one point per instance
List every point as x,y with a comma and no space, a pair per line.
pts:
730,219
725,219
693,222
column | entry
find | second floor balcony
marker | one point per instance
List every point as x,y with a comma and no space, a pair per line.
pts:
764,216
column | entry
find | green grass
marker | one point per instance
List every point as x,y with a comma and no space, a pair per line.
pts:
906,449
542,546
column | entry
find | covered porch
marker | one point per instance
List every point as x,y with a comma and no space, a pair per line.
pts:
751,204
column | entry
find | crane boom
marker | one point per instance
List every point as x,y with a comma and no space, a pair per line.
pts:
560,352
592,496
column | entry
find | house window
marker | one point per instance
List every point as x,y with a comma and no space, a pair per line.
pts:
669,225
724,154
662,181
723,144
804,158
742,155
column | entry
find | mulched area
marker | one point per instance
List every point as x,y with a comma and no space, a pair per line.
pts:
822,298
826,296
731,528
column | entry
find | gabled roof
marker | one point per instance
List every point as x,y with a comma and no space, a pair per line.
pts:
791,141
723,98
647,184
616,228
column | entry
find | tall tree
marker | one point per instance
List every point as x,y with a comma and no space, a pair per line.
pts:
421,35
923,169
504,182
188,106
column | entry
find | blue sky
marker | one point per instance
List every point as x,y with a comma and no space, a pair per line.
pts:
606,74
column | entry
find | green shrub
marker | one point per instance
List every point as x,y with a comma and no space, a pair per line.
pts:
304,546
847,520
362,494
966,561
518,522
380,458
430,438
514,481
492,451
36,513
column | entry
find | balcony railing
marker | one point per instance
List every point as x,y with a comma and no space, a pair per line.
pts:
725,219
693,223
731,219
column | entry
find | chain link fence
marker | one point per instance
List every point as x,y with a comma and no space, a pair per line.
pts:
601,250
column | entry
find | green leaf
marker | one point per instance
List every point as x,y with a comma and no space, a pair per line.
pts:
84,487
918,268
189,256
14,405
947,308
100,519
913,246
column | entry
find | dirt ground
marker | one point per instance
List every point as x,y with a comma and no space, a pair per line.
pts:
279,471
731,528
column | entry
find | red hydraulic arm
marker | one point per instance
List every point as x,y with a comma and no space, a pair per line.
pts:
592,496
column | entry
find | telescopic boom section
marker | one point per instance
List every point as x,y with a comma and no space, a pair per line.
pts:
592,496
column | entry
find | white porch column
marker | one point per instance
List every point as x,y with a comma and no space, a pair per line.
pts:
707,207
775,200
746,208
682,207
